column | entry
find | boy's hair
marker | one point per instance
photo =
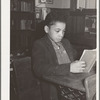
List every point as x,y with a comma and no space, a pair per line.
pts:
53,17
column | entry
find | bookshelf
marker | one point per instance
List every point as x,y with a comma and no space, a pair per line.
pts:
22,25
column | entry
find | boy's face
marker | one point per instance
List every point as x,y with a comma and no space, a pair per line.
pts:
56,31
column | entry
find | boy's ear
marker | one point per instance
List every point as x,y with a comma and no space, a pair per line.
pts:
46,29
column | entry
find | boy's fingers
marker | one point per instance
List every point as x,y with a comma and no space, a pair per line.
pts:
82,69
83,66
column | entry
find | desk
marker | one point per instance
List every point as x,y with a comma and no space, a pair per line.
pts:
72,80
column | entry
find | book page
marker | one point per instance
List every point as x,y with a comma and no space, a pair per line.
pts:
89,56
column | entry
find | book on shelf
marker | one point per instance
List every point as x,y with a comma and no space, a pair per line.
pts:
26,24
89,56
27,6
15,24
15,5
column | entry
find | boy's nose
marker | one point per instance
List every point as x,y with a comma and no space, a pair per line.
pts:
61,34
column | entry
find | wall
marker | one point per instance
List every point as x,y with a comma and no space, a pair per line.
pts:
88,4
91,4
80,3
55,4
59,4
37,4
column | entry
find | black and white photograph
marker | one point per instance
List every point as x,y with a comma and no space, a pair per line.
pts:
50,50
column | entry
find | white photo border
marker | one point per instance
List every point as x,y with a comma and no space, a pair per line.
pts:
5,50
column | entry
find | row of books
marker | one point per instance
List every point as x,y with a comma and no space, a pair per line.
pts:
15,5
21,25
26,6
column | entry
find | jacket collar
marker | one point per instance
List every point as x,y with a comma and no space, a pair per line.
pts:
51,49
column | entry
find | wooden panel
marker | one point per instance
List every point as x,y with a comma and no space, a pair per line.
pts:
20,41
27,85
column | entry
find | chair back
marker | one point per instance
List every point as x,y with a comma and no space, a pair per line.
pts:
90,86
26,82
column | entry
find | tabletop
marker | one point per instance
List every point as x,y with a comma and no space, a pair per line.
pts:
73,80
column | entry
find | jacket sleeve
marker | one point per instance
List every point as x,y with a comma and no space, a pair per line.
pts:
70,47
74,52
41,66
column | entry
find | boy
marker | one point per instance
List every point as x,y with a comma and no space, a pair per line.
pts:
52,54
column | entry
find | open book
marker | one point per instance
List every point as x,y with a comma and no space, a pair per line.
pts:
89,56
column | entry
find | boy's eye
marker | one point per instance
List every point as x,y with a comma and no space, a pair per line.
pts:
60,30
57,31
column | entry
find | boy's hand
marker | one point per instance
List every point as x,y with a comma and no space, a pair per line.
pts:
77,66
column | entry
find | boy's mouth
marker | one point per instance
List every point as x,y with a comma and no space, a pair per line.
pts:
58,40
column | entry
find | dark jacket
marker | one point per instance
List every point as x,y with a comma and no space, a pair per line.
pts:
45,62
